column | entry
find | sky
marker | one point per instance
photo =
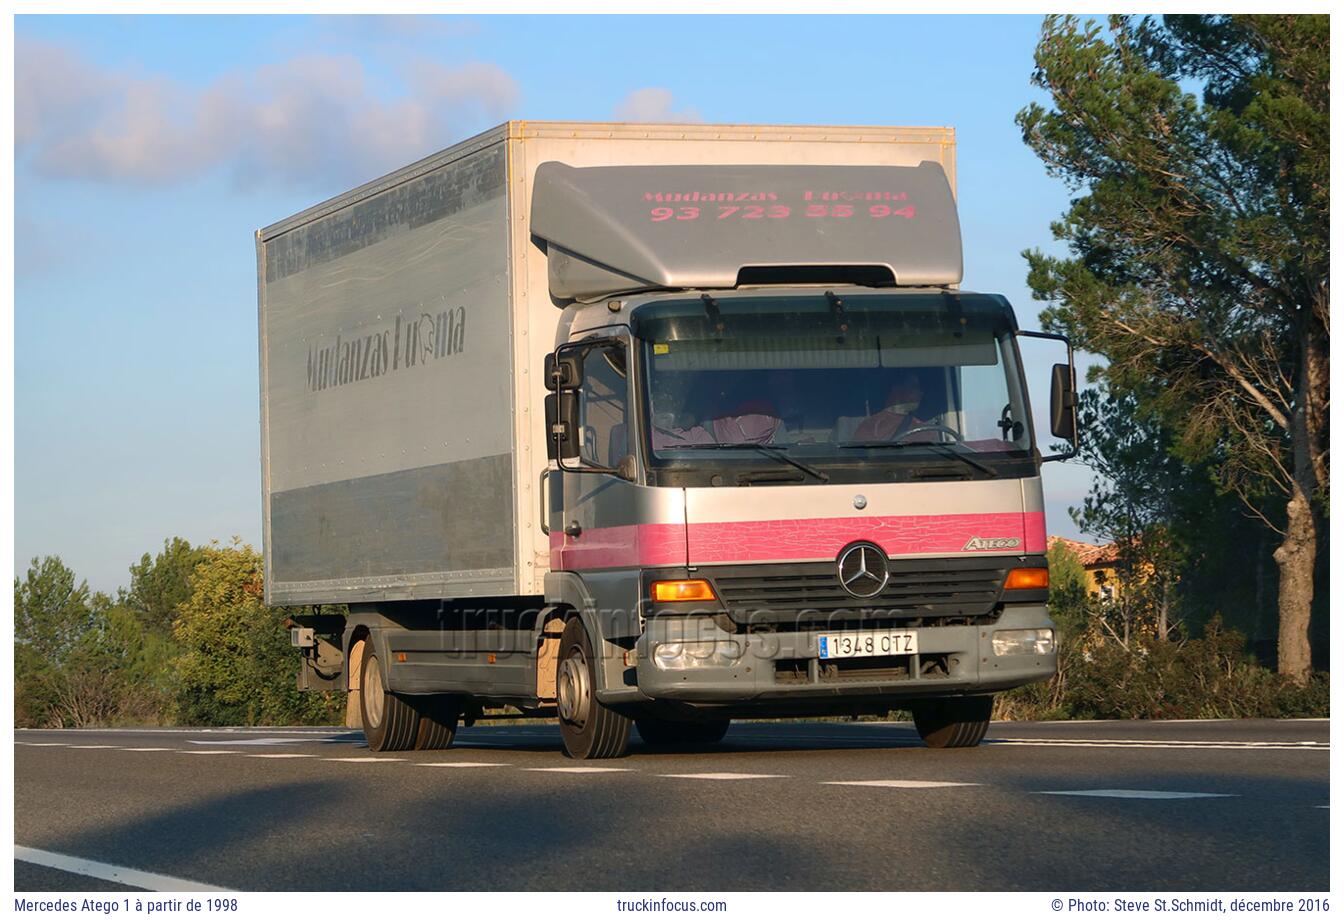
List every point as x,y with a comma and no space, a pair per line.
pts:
148,149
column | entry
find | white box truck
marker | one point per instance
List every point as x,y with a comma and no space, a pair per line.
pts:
651,425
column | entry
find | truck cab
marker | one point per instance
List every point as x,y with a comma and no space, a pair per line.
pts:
801,500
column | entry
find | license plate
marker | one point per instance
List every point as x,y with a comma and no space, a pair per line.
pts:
869,643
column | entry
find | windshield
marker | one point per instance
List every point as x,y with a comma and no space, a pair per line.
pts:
868,379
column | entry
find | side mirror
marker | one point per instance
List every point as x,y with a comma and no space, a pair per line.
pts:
564,372
562,425
1063,404
627,469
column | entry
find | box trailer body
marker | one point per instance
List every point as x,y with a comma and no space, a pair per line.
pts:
499,530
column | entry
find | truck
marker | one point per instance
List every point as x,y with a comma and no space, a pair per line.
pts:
652,426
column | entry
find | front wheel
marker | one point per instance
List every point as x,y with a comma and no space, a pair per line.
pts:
590,730
662,733
953,723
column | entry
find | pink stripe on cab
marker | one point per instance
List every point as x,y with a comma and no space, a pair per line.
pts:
626,546
803,539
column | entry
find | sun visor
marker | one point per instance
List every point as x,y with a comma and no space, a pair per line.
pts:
613,229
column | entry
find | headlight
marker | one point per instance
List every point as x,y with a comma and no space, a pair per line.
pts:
1024,642
678,656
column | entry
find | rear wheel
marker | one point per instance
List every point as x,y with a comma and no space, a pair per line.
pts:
662,733
438,722
590,730
953,723
390,723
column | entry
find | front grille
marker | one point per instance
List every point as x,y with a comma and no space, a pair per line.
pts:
920,592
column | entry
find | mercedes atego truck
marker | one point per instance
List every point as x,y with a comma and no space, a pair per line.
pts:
652,426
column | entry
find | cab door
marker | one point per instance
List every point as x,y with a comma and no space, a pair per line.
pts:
605,525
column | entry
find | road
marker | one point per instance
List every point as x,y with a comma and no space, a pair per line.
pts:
1171,806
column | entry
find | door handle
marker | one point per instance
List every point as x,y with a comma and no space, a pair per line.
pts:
542,483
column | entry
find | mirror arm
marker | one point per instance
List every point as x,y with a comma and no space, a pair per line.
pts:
1073,378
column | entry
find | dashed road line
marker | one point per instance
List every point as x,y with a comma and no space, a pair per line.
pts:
92,747
462,764
43,743
577,769
249,741
896,783
280,756
363,759
150,749
1165,745
150,881
1140,794
724,776
208,752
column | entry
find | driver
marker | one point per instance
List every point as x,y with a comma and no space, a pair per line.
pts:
903,398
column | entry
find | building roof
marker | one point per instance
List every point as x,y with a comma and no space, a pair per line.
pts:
1089,554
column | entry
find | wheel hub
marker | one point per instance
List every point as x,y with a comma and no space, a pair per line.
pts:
572,689
373,696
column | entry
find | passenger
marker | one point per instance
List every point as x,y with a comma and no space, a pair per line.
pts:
903,399
754,421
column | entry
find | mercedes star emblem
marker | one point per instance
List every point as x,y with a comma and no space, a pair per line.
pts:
863,569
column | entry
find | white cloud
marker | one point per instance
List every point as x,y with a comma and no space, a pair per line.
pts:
312,120
653,104
395,27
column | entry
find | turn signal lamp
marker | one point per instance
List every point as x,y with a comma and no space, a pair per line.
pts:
1027,578
695,589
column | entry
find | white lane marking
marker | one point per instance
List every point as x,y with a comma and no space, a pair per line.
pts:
209,752
363,759
42,743
723,775
1322,806
1170,745
1140,794
250,741
280,756
90,747
896,783
159,749
1247,743
462,763
150,881
576,769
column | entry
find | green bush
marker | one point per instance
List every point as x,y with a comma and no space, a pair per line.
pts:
237,666
1210,677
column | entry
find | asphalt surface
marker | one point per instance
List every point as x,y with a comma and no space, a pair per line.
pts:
1174,806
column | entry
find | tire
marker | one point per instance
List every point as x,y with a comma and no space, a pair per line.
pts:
954,723
438,722
390,723
590,730
662,733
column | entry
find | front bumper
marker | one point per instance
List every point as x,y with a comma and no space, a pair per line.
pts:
784,666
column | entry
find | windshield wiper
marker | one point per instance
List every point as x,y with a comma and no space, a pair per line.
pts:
773,451
945,450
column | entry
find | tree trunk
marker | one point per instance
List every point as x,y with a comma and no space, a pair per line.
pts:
1296,557
1162,612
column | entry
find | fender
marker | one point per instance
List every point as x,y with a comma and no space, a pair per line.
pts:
569,590
368,624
